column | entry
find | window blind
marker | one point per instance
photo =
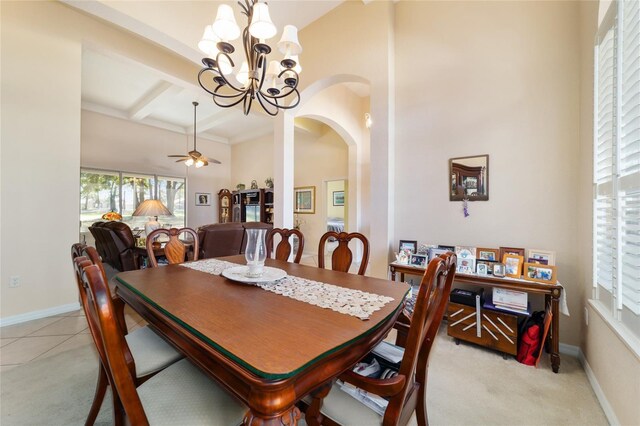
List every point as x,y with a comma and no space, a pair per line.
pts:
616,171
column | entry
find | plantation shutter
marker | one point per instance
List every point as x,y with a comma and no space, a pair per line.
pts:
605,107
629,155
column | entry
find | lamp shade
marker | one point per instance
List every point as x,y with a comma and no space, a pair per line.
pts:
225,26
289,44
152,208
261,26
208,42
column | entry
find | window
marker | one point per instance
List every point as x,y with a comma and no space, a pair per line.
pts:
104,191
617,164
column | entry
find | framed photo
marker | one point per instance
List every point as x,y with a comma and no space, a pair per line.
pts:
448,248
423,249
486,263
490,254
465,252
304,200
498,270
412,246
482,269
435,252
511,250
544,257
418,260
338,198
466,266
512,265
203,198
540,273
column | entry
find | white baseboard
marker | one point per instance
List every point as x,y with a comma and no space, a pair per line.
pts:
602,399
570,350
56,310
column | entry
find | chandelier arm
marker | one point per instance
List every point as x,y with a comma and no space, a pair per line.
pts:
240,96
202,71
291,88
268,98
215,93
246,105
264,72
260,98
219,71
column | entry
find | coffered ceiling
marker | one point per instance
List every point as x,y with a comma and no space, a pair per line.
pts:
123,88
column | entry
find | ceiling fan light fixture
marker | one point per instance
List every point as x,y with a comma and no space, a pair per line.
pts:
194,157
189,162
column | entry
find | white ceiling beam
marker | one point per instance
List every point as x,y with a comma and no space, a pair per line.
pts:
217,119
149,102
116,113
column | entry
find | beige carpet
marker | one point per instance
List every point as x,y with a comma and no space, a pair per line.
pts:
467,386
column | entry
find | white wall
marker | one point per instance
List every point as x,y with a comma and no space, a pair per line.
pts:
497,78
115,144
40,144
252,160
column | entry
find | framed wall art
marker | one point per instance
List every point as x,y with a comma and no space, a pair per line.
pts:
304,200
203,198
338,198
511,250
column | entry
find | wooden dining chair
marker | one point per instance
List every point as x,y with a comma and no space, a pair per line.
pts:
148,352
342,256
283,250
180,394
175,250
406,392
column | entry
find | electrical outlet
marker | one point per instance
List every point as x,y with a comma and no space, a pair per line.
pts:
586,316
15,281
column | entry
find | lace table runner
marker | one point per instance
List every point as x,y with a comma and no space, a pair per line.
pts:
356,303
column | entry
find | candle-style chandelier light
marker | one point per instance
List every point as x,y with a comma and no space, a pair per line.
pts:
272,83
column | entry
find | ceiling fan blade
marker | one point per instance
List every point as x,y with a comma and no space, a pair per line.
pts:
181,160
214,161
177,155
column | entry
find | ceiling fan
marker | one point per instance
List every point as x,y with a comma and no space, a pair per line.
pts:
194,157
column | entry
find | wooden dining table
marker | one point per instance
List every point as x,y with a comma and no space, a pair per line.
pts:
267,349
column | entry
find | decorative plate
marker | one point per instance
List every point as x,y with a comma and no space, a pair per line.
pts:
239,274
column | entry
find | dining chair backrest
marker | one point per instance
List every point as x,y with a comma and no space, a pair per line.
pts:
119,363
430,305
174,250
283,249
342,256
89,257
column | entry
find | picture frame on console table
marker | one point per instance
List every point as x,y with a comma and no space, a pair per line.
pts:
410,245
540,273
512,265
510,250
545,257
490,254
435,252
498,270
418,260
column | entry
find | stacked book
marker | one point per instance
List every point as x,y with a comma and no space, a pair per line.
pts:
508,300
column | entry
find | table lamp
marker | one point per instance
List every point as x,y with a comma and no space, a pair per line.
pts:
151,208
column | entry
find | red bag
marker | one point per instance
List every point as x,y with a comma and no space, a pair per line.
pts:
529,345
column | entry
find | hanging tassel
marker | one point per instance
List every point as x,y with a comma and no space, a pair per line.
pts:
465,207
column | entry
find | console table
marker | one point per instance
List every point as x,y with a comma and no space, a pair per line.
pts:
551,294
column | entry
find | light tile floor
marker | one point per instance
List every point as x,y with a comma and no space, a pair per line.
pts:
28,341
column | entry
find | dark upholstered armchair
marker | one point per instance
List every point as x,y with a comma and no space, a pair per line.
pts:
225,239
115,244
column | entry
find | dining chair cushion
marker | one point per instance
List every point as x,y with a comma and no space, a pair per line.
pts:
150,351
182,394
344,409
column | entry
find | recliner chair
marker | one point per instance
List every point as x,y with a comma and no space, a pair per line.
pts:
115,244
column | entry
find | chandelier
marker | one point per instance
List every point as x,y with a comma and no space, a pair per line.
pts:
271,83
